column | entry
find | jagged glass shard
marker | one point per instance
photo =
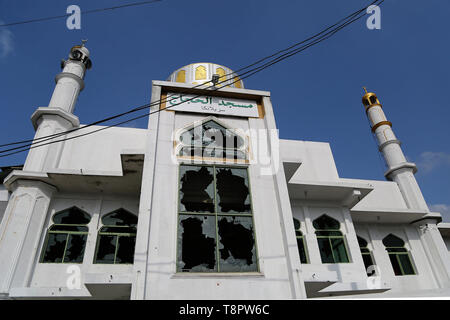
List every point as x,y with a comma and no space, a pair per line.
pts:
197,189
197,243
236,244
233,194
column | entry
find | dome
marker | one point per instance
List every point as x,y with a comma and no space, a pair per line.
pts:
202,72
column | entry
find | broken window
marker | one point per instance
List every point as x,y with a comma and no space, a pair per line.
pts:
212,140
300,242
66,238
367,256
215,232
117,238
399,256
330,239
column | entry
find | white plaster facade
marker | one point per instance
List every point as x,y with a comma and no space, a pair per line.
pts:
138,170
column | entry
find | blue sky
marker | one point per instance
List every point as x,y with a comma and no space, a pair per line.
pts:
316,95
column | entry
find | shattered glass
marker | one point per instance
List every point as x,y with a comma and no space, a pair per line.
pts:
197,243
117,247
125,252
236,244
213,141
325,222
72,215
197,189
106,249
56,244
233,194
120,217
75,248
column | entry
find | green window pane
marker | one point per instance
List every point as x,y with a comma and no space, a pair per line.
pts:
233,193
325,250
406,264
56,243
302,250
196,243
395,264
339,250
75,248
125,252
393,241
106,249
196,189
236,244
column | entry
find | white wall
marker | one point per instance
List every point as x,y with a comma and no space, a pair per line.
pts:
4,196
100,152
317,162
97,205
374,235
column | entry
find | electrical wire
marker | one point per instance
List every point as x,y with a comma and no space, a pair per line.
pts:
82,12
288,53
233,73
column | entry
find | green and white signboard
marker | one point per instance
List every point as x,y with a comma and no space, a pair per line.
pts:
214,105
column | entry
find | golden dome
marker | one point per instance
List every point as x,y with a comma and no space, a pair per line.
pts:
202,72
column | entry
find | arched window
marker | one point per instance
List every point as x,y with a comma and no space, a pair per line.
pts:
400,258
222,76
66,238
212,140
117,238
366,255
331,240
200,73
300,242
181,76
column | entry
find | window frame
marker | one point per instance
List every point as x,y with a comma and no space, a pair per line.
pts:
117,235
329,237
215,214
401,253
365,251
244,150
302,237
68,233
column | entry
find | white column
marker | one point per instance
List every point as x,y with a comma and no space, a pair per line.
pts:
20,232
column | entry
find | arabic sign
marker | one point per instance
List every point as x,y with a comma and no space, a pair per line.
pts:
215,105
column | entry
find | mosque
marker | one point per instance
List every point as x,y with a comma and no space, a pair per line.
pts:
209,203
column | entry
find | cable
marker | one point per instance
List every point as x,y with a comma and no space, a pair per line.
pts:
256,70
82,12
250,73
146,105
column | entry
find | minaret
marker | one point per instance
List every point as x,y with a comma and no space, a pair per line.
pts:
58,116
399,169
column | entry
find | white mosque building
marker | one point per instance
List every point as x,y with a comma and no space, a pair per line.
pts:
208,203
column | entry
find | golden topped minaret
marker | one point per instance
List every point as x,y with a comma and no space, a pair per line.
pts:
399,169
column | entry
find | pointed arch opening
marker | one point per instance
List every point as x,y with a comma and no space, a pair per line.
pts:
331,241
117,238
66,238
211,139
301,245
367,256
399,256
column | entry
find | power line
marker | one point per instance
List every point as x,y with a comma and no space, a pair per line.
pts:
200,85
82,12
348,20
